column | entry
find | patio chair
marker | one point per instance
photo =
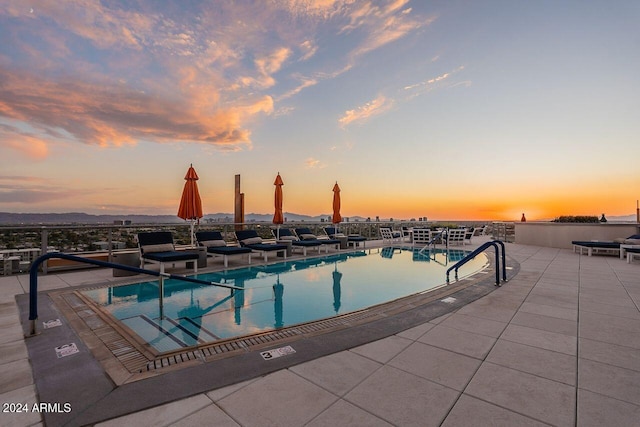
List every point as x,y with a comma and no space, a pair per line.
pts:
422,236
352,239
480,231
468,234
251,239
390,236
407,232
157,246
305,234
455,236
215,244
286,234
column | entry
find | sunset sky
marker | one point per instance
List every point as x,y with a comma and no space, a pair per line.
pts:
444,109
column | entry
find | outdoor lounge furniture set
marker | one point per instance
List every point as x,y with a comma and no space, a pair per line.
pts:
159,246
424,236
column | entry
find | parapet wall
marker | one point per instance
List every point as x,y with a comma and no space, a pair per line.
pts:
560,235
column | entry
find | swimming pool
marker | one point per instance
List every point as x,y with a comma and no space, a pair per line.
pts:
274,296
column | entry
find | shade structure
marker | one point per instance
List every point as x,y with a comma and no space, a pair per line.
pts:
190,204
278,217
336,218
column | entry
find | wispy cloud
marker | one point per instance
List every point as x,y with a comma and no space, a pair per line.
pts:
383,23
364,112
419,88
312,163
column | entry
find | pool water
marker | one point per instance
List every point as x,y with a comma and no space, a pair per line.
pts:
275,296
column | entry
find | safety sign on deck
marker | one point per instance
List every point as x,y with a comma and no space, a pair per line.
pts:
52,323
449,300
278,352
66,350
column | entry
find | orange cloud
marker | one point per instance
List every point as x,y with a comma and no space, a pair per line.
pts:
373,108
27,145
105,114
312,163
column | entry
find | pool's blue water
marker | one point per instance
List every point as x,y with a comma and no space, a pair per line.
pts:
275,296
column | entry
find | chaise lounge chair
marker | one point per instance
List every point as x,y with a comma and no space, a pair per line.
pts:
604,246
632,253
158,246
352,239
215,244
250,239
305,234
286,234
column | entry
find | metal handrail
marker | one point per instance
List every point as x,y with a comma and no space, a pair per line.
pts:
33,279
475,253
438,235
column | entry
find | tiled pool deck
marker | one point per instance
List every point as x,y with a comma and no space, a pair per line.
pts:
559,344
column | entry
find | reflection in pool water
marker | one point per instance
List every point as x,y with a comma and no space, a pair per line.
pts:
276,295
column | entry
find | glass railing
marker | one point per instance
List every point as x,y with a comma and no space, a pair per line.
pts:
21,245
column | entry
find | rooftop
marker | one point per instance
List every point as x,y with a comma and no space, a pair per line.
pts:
558,344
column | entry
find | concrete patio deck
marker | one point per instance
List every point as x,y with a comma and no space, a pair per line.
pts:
559,344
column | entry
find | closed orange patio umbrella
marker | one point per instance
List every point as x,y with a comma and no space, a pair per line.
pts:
190,203
336,218
278,217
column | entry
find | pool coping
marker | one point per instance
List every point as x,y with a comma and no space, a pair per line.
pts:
95,396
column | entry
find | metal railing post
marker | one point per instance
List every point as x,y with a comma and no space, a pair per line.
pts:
474,253
44,243
161,291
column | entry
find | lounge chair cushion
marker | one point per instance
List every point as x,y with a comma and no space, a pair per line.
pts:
267,246
252,241
213,243
592,244
292,238
632,241
308,243
228,250
160,247
308,237
167,256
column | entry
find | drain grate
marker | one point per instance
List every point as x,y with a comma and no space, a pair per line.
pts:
246,344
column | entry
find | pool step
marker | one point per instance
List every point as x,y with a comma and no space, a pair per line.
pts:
168,334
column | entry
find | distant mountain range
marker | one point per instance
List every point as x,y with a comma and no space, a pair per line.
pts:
8,218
